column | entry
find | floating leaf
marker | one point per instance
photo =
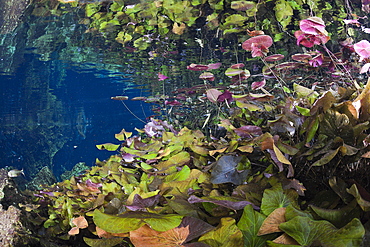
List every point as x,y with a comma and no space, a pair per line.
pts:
123,135
130,221
108,146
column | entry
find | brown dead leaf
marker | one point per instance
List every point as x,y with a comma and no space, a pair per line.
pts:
74,231
147,237
272,222
178,29
285,239
80,222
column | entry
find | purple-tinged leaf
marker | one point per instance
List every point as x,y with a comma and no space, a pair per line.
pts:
162,77
234,205
227,95
273,58
196,226
237,66
259,41
354,22
362,48
301,57
258,84
197,67
207,76
128,157
213,94
317,60
93,185
140,204
313,25
172,102
248,131
365,68
214,65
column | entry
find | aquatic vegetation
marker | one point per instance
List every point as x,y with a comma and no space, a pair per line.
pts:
247,173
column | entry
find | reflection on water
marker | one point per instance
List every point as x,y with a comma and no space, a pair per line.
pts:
54,113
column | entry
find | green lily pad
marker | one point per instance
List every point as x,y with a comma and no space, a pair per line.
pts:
322,233
130,221
275,198
250,222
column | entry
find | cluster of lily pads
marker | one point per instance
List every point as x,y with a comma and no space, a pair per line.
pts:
241,184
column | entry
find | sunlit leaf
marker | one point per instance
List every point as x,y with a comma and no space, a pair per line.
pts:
227,234
363,203
145,236
123,135
130,221
108,146
178,29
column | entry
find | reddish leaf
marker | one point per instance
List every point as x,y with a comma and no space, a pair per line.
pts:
227,95
214,65
273,58
237,66
258,84
362,48
263,40
197,67
313,25
301,57
162,77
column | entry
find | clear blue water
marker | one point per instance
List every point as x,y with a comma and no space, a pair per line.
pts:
72,101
